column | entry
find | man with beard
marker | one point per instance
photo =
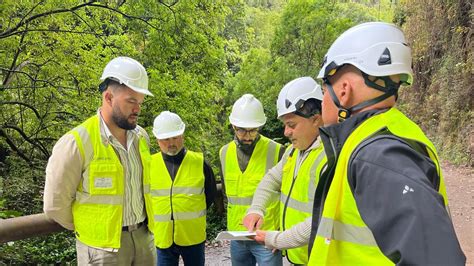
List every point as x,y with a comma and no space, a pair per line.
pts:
97,178
182,188
244,162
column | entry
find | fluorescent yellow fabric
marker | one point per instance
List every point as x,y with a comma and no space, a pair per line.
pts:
97,210
297,195
179,206
240,187
342,237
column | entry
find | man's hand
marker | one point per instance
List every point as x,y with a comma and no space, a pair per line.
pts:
260,237
253,221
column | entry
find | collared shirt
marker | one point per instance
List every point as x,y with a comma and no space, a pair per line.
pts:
64,173
134,203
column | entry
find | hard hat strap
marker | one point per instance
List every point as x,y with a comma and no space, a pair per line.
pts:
345,113
390,85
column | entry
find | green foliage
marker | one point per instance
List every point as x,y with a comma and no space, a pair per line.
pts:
215,223
201,56
50,70
302,35
4,213
439,35
55,249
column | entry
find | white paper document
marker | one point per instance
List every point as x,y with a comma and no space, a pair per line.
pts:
235,235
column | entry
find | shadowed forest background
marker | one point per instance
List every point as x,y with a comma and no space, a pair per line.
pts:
201,56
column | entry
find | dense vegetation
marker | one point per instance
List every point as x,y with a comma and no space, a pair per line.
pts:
200,56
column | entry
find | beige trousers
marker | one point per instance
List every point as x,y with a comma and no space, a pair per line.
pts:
136,248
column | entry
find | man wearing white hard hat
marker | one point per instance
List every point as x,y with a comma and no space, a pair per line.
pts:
244,161
295,177
97,178
383,199
182,188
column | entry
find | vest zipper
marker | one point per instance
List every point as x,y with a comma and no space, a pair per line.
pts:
286,203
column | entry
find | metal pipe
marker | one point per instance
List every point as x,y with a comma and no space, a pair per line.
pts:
24,227
27,226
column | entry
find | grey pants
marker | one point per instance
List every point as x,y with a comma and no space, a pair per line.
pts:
136,248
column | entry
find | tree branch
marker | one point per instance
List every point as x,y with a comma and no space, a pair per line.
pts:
144,20
50,30
27,139
31,107
13,146
28,20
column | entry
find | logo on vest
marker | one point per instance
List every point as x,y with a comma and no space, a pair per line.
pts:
407,189
327,240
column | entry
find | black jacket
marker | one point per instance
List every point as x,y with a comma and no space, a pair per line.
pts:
413,229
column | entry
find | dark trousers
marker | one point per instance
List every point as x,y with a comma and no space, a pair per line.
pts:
192,255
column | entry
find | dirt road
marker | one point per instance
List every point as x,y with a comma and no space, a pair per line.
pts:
460,188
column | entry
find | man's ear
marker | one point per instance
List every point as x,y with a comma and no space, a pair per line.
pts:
317,120
108,96
345,93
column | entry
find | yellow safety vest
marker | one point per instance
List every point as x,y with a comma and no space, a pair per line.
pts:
240,187
342,237
297,194
179,206
97,209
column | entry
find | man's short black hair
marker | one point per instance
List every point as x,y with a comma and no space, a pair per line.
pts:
310,107
109,83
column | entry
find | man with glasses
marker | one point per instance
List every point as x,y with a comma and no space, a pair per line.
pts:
244,161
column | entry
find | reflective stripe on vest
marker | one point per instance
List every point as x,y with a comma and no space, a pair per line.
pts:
179,205
177,190
180,216
240,187
298,206
240,201
97,209
86,198
342,236
330,229
295,204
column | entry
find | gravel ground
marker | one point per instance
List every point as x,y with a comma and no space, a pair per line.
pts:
219,254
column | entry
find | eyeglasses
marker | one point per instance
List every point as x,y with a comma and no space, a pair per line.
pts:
242,131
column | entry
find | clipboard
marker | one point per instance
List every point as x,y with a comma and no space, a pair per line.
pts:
236,235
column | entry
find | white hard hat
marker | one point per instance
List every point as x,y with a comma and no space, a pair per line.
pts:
247,112
129,72
168,125
376,48
295,93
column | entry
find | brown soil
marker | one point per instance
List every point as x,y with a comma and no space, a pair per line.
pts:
460,188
